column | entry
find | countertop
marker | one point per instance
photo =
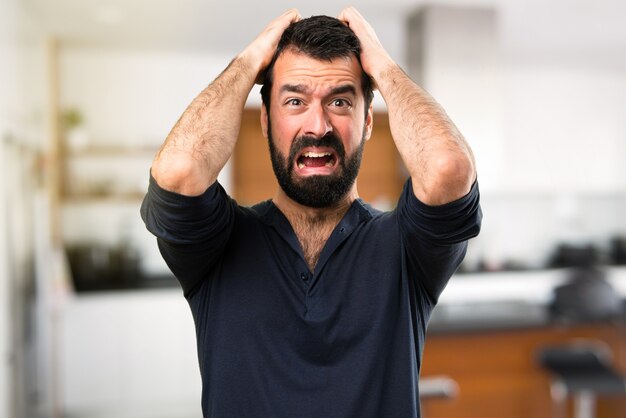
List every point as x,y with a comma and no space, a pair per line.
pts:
509,300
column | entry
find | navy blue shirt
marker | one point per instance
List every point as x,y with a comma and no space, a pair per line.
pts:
275,339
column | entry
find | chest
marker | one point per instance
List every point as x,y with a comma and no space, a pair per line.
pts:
356,280
266,274
312,239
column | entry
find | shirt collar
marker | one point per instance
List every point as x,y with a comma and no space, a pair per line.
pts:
358,212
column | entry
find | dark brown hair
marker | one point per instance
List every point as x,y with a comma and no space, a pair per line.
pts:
323,38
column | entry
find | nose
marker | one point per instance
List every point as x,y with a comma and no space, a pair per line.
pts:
317,123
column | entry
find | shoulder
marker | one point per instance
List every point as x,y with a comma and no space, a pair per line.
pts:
258,215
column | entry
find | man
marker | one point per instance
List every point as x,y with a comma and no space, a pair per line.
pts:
312,304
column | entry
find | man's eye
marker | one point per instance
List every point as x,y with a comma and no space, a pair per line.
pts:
294,102
340,103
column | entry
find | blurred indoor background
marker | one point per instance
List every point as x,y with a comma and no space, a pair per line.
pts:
92,324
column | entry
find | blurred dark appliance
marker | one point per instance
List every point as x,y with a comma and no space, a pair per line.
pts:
98,267
568,255
618,250
586,296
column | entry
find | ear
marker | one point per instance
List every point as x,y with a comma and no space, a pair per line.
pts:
369,122
264,120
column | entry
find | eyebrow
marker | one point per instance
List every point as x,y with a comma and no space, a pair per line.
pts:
346,88
293,88
299,88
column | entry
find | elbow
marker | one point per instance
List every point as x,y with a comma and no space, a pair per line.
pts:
448,178
180,175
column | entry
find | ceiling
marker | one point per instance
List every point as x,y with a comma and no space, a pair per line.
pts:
593,29
217,25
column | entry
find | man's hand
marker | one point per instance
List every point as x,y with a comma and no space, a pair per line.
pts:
374,58
259,52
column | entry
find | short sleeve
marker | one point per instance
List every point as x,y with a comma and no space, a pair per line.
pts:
191,231
435,237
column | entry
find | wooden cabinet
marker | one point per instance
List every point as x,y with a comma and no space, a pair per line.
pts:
498,375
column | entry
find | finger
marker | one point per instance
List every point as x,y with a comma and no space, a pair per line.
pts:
292,15
281,22
343,16
349,14
286,19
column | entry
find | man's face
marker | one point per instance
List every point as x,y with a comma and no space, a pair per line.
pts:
316,127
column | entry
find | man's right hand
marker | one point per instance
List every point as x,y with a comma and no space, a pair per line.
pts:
259,53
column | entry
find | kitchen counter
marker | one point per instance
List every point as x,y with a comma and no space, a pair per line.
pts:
452,318
123,282
506,300
531,286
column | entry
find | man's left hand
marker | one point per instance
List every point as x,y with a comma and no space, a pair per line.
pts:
374,58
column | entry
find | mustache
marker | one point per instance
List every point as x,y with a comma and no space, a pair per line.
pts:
328,141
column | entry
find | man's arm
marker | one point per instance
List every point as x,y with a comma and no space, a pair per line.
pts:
203,139
439,160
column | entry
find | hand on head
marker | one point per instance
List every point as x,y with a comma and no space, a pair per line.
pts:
261,50
373,55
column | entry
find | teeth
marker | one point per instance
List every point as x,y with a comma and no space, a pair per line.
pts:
311,154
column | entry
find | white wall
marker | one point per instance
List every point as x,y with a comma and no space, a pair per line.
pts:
565,128
132,97
10,86
4,296
565,95
21,113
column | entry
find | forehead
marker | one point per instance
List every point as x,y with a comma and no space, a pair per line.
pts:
317,75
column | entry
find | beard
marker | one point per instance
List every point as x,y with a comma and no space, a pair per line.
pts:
318,191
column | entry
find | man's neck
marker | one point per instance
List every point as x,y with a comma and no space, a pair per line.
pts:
313,226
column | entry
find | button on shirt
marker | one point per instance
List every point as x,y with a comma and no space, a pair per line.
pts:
275,339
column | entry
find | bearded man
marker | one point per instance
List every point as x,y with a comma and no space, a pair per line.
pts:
312,304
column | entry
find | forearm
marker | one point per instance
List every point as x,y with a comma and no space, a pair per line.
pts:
439,160
203,139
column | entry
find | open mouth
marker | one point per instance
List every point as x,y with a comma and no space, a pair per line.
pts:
311,159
